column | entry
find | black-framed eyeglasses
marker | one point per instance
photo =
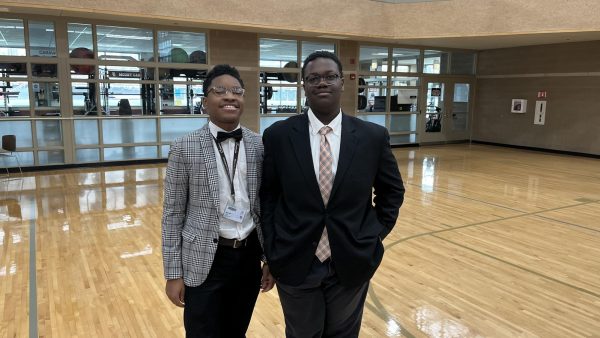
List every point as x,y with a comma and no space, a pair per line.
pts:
329,79
222,91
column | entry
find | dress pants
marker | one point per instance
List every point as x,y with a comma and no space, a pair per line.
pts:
321,306
222,306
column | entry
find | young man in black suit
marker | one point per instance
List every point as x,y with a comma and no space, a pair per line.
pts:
322,227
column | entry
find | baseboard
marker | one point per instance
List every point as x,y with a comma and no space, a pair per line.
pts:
408,145
545,150
443,142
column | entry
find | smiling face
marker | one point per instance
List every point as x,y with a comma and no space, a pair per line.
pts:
323,98
224,110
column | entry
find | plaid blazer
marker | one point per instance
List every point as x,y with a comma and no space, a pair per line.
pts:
190,221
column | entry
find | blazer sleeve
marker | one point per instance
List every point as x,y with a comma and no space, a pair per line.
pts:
270,189
174,211
388,188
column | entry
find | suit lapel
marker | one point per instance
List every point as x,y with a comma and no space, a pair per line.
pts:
210,161
300,140
251,165
347,148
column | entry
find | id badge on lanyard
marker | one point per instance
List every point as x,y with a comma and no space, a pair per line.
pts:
234,214
231,212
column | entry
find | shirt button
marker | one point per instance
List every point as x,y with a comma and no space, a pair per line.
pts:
314,243
215,240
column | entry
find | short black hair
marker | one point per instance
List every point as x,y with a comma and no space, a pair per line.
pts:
322,54
217,71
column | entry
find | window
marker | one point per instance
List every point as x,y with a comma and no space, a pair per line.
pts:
280,77
182,47
405,60
309,47
125,43
111,71
278,53
387,92
42,40
435,62
373,59
13,37
81,44
14,97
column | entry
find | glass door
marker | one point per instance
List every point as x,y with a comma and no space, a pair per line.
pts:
445,115
433,112
460,111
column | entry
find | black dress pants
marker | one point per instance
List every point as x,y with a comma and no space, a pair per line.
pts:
222,306
321,306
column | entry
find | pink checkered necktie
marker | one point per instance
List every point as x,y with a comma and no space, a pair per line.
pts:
325,183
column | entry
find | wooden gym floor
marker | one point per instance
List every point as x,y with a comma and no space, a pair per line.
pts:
491,242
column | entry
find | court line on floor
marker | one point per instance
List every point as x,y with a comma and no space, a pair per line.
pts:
469,198
33,317
535,213
592,293
379,309
568,223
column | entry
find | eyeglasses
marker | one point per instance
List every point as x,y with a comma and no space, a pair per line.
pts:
222,91
329,79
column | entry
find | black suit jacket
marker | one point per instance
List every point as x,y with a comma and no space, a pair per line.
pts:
293,212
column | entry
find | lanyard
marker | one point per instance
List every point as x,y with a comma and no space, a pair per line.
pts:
235,159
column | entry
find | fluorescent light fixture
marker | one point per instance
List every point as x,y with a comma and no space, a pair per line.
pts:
129,37
109,46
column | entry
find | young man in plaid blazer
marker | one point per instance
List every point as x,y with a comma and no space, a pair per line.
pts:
211,233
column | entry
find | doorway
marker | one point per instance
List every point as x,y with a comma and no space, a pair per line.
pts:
446,112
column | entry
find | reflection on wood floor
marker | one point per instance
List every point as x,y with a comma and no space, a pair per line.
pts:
491,242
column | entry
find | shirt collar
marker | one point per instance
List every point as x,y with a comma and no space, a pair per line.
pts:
315,124
214,129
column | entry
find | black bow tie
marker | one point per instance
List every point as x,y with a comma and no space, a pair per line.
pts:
236,135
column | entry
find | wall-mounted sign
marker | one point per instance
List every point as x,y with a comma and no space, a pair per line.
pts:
123,74
518,106
43,51
540,113
542,94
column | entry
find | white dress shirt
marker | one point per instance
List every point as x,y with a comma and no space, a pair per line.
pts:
228,228
334,137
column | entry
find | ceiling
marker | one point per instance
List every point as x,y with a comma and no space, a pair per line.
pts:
455,42
503,41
